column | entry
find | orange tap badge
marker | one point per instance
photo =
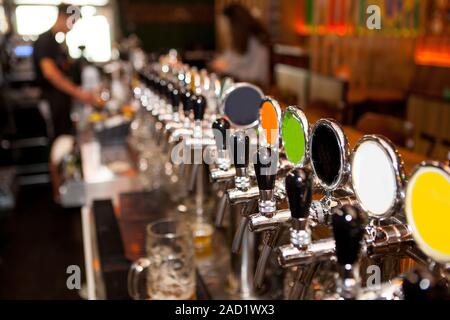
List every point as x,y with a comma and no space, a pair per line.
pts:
270,115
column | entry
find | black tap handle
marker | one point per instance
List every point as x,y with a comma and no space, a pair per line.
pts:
266,166
348,229
240,149
221,127
299,190
156,85
199,107
154,82
168,92
149,81
187,102
421,285
162,87
175,99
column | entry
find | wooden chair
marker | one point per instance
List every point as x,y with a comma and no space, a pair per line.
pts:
431,119
399,131
328,97
292,82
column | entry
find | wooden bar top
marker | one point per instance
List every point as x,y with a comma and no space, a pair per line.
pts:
357,96
410,159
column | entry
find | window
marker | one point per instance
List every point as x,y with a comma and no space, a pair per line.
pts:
58,2
34,20
93,30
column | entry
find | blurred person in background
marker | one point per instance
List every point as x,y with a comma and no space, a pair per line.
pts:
246,54
53,68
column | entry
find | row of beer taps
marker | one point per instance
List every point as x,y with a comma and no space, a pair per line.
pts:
284,177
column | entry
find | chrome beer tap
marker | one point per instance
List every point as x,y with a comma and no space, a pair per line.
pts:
174,122
199,140
175,102
242,203
381,196
221,129
419,284
302,250
431,280
243,193
185,130
329,154
159,111
167,112
351,181
188,105
348,229
223,174
268,219
234,97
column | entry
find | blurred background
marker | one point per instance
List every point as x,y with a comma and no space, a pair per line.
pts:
321,55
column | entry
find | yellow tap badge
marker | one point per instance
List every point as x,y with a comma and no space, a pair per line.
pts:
428,210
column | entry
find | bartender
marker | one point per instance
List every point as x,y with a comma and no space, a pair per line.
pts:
52,69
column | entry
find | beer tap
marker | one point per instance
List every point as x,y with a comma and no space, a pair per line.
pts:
224,171
376,235
426,204
348,228
183,130
268,220
198,141
374,164
299,189
188,105
162,85
199,114
223,174
175,122
302,251
175,102
242,193
269,118
422,285
235,96
155,105
240,148
221,128
167,99
160,111
167,112
419,284
379,180
373,158
329,153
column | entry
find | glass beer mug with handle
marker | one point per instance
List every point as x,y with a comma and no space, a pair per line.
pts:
169,265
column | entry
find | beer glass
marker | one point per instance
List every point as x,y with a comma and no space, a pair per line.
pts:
169,265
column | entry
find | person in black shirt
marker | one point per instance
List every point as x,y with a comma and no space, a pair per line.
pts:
52,68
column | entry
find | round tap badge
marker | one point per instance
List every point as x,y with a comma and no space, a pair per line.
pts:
329,154
241,105
428,210
378,176
270,116
295,134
